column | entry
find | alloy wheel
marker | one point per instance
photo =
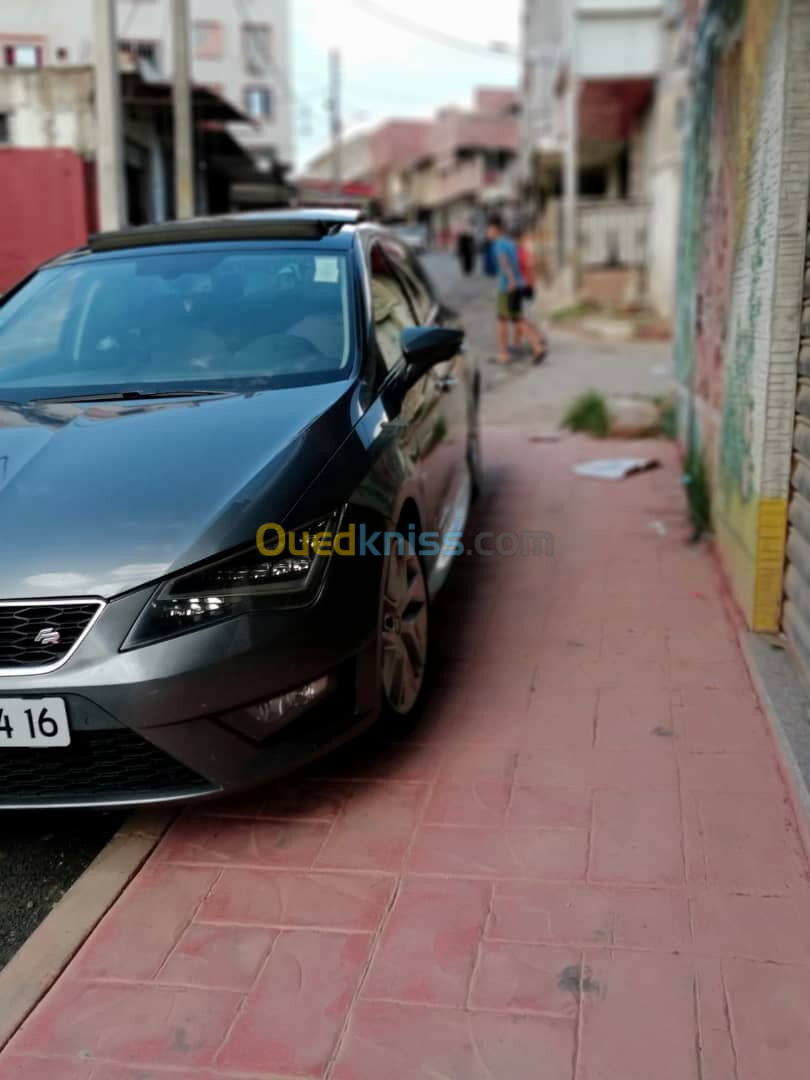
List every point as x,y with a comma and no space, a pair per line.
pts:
404,631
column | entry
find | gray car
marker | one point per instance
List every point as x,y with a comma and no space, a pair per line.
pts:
236,459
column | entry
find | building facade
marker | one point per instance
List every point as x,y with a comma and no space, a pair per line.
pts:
439,172
240,51
603,88
743,314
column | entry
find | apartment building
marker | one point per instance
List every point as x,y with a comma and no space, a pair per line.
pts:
607,78
240,50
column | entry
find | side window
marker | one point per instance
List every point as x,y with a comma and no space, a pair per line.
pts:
420,296
391,308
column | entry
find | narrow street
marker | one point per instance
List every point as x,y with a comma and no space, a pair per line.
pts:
572,366
582,860
49,851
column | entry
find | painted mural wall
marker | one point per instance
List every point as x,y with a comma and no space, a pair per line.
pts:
727,259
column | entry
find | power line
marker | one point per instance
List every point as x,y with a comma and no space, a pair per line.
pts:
440,37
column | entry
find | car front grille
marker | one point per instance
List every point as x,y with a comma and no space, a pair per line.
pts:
40,636
111,765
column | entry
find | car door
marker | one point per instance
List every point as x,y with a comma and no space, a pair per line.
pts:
420,415
447,439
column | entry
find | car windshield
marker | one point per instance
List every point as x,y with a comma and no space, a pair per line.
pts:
165,321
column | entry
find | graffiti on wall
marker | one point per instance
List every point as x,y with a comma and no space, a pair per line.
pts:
715,336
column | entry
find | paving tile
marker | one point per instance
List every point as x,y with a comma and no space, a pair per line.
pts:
134,1024
475,763
557,854
428,949
373,759
589,916
637,838
561,716
638,1018
374,828
411,1042
767,928
106,1071
643,642
652,769
137,935
16,1067
448,724
720,722
293,1017
219,956
296,797
481,803
526,978
755,774
292,898
628,719
242,841
717,1059
768,1007
747,842
550,807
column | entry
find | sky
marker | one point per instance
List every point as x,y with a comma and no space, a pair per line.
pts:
389,70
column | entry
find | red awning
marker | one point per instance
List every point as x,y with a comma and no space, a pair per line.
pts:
609,108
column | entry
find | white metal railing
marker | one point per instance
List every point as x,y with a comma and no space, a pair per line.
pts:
613,233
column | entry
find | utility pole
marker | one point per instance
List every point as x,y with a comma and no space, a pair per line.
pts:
335,121
571,180
111,202
181,101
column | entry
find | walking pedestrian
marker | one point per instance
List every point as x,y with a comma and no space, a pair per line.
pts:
525,253
465,249
511,288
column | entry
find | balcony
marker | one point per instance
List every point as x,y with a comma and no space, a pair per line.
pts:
613,234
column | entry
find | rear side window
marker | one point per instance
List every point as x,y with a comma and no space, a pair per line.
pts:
391,306
420,296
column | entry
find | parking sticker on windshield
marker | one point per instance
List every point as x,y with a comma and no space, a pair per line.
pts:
327,269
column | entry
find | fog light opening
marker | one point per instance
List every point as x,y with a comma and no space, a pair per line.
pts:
264,718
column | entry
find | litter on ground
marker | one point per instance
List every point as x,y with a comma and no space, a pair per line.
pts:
615,468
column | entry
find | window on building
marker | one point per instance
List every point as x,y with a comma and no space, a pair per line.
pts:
5,129
22,56
207,39
258,102
257,47
146,51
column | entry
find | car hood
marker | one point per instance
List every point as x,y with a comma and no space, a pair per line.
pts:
98,498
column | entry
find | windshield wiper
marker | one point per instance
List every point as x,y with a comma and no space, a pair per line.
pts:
130,395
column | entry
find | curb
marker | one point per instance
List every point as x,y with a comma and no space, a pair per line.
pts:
35,967
786,705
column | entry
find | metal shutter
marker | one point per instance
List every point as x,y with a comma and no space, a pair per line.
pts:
796,614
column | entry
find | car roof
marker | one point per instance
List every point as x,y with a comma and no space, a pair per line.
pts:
309,224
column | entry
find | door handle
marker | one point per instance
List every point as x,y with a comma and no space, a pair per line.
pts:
446,382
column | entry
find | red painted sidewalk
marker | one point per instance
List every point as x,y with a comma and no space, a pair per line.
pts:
582,864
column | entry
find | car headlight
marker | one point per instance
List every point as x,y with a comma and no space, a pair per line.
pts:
248,581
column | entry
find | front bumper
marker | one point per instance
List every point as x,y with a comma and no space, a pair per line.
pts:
162,722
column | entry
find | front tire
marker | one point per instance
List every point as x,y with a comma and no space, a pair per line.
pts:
404,633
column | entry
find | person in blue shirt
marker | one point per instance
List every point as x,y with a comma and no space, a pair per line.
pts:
511,291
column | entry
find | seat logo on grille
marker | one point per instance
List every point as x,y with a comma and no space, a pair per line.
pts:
48,635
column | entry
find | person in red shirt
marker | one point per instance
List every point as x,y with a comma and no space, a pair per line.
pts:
526,263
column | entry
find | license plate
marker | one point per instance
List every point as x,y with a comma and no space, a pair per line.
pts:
37,722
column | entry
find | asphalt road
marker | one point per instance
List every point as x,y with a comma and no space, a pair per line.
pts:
42,854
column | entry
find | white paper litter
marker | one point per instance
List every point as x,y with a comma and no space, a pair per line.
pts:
614,468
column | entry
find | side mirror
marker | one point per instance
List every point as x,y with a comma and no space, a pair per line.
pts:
424,346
